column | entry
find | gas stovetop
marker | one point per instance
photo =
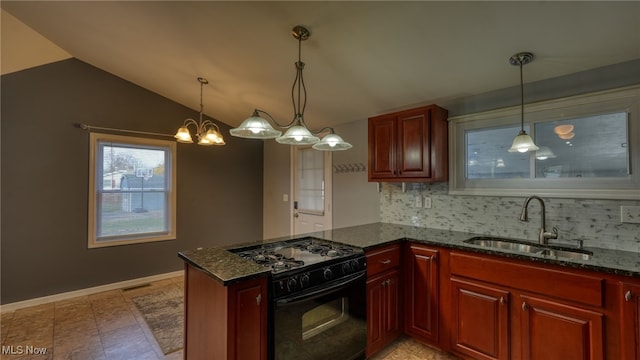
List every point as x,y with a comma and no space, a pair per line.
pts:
292,254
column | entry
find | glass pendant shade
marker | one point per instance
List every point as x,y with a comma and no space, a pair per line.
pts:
213,137
255,127
183,135
298,135
523,143
544,153
332,142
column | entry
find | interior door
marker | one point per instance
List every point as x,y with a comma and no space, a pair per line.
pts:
311,190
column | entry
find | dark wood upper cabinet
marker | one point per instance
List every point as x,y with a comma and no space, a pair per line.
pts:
410,145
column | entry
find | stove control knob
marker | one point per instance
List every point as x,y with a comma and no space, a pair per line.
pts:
346,268
304,280
328,274
355,265
292,284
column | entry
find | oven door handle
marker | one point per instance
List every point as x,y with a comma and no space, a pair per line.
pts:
322,291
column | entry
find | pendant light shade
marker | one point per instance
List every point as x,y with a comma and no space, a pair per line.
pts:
332,142
255,127
297,133
522,142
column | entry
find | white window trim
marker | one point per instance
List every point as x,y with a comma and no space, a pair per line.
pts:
617,100
94,138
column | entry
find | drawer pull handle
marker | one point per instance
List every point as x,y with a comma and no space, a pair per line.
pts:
258,299
386,261
501,300
627,296
525,307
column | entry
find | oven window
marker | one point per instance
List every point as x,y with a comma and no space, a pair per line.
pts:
324,317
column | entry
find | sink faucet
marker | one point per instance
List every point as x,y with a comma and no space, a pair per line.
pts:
544,234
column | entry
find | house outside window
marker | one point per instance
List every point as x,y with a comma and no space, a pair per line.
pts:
132,197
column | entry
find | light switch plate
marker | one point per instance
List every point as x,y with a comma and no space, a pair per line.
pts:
630,214
427,202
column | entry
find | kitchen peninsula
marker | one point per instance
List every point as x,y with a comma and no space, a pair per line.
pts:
522,297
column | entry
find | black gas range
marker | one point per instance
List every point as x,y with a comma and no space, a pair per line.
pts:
317,298
304,263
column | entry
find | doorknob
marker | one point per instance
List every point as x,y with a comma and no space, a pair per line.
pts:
295,215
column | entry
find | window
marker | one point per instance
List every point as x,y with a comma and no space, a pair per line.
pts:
132,193
585,149
310,181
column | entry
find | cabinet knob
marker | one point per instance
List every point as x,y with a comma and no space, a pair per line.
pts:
627,295
258,299
501,300
525,307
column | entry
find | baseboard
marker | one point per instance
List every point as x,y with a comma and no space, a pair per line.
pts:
88,291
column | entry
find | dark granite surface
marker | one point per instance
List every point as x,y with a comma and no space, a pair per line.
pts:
227,268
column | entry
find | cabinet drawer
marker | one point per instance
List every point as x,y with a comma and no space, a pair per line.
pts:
560,284
383,259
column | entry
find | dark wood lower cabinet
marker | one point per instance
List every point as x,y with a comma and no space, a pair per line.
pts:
553,330
481,315
224,322
630,320
383,311
422,293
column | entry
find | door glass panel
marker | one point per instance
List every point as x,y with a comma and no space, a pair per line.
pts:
487,156
588,147
310,181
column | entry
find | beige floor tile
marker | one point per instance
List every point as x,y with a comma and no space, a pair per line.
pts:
113,318
78,346
127,343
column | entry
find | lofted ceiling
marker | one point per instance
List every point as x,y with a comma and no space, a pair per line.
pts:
363,58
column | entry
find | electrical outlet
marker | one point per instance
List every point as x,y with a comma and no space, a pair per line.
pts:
427,202
630,214
417,201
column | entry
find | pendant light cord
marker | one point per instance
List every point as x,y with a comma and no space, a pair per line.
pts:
521,99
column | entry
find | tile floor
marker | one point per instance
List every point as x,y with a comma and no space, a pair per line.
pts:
107,326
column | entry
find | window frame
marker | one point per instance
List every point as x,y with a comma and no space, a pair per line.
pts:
618,100
94,179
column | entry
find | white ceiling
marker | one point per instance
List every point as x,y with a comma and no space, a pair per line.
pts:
362,59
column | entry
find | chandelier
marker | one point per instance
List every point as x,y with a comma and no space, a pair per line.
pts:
297,132
207,132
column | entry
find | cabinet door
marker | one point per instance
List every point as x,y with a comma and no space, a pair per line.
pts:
551,330
249,329
375,315
382,147
383,311
392,297
414,145
481,320
421,294
630,321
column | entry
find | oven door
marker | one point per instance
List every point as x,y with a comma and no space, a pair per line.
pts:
324,323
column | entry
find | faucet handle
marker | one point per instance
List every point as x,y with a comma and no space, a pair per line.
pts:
551,234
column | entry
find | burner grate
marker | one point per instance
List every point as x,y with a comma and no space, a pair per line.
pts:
271,259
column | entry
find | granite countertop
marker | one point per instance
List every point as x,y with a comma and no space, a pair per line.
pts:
227,268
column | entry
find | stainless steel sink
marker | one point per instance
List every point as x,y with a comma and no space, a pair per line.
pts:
527,247
567,254
506,244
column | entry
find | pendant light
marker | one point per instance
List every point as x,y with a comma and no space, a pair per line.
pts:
297,132
522,142
207,132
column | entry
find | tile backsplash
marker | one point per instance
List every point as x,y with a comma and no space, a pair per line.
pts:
596,222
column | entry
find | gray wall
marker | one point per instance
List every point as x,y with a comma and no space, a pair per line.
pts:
45,166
